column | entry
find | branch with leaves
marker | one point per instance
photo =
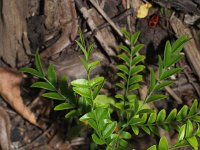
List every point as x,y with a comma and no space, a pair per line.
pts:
79,98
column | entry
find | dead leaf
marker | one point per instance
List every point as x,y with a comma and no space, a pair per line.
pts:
10,81
4,130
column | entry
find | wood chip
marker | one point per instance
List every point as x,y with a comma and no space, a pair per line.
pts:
4,130
190,49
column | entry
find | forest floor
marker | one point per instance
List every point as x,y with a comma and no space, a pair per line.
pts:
53,27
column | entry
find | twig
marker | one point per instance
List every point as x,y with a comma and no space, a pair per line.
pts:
87,15
106,24
174,95
191,82
108,20
37,138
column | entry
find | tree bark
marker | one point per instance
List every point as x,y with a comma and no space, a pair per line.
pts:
14,43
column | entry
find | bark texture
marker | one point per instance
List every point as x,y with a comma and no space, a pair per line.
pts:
13,31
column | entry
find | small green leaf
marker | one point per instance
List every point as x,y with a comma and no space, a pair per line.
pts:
137,59
175,59
72,114
162,85
134,87
167,54
122,75
134,37
197,133
80,83
155,97
152,148
97,90
137,69
154,130
85,92
32,72
137,48
147,111
63,106
172,115
135,129
82,39
38,63
109,129
193,109
182,113
90,48
93,124
95,81
54,95
181,135
87,116
83,50
93,64
161,116
135,121
146,130
152,118
180,144
195,118
51,74
163,144
169,73
97,140
119,96
103,100
144,118
43,85
179,43
125,48
126,34
101,113
124,58
193,142
119,106
135,79
120,85
123,144
189,129
123,68
125,135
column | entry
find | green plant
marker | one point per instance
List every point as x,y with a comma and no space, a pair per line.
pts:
80,99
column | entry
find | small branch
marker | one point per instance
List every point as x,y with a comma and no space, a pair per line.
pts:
87,15
108,20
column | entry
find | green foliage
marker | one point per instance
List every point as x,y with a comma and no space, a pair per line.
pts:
99,120
54,89
83,98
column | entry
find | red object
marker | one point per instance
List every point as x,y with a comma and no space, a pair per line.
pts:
153,21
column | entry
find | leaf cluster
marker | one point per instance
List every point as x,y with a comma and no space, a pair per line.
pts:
88,88
80,98
172,54
57,90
